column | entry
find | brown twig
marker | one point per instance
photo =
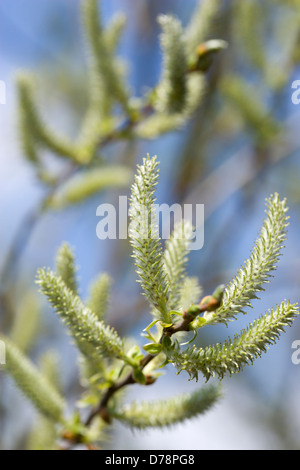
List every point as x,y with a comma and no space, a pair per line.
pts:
101,409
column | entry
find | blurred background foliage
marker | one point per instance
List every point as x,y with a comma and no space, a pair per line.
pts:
241,144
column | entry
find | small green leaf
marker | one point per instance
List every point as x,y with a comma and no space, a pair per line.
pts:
219,292
198,323
139,376
87,401
134,352
153,348
203,57
151,325
193,310
166,342
149,336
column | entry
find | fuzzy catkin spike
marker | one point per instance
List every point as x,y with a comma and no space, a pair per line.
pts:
66,268
38,131
43,436
201,23
144,238
249,29
94,33
159,124
35,386
49,365
100,295
258,268
92,337
190,293
26,324
232,356
254,112
172,91
176,259
114,31
108,88
44,433
27,119
100,103
88,183
168,412
162,122
196,86
105,84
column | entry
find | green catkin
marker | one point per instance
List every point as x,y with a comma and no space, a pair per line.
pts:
34,385
168,412
258,269
144,238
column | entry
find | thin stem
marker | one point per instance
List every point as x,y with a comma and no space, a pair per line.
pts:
101,409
